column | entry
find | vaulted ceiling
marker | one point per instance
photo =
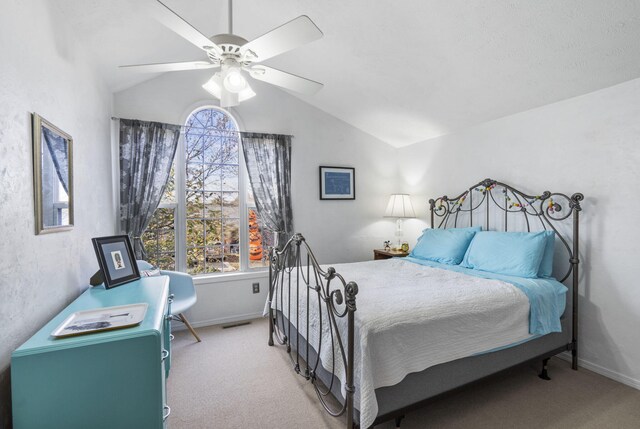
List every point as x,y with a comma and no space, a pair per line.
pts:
403,71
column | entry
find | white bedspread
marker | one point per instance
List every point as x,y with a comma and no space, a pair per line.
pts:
411,317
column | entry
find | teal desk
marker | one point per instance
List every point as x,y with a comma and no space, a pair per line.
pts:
111,379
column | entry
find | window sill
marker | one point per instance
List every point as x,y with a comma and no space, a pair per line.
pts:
222,278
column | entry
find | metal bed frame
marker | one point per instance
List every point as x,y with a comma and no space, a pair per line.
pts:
294,269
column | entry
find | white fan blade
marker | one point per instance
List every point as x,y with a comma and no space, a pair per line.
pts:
285,80
294,33
169,67
176,23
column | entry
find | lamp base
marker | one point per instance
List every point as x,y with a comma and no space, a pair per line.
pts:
399,234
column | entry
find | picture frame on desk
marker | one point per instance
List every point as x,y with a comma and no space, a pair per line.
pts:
116,259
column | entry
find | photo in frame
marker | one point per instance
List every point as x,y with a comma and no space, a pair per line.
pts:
337,183
116,259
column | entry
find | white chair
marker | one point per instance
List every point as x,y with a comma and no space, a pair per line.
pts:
183,291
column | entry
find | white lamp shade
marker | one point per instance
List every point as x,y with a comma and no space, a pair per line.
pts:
399,206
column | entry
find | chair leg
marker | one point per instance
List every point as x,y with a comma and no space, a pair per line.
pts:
189,327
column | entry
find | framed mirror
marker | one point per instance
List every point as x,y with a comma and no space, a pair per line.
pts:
52,177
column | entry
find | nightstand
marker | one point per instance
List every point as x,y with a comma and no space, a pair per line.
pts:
387,254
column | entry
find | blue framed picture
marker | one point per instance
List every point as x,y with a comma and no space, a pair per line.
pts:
337,183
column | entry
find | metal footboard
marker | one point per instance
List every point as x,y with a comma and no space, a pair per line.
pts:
297,286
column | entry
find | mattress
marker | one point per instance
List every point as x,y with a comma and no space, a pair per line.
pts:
411,317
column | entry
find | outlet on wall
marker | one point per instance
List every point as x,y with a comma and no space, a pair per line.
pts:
256,287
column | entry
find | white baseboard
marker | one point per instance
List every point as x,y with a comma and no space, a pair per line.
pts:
219,321
631,382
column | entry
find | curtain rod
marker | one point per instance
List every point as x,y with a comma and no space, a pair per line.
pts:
113,118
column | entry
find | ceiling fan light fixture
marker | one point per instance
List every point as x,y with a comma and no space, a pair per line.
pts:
213,86
246,94
216,87
234,81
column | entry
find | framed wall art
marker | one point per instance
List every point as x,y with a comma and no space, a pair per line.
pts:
337,183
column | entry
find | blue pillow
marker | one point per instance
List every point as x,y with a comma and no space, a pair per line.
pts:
546,266
511,253
446,246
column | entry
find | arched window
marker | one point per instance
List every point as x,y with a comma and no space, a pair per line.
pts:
207,221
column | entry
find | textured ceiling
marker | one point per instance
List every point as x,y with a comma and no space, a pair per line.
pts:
403,71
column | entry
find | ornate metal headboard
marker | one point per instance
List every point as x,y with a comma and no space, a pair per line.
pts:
495,205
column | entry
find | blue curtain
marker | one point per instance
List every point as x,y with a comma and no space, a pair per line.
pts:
147,150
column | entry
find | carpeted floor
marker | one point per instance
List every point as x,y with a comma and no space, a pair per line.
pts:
232,379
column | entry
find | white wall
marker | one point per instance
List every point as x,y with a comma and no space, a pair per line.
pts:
588,144
42,71
338,231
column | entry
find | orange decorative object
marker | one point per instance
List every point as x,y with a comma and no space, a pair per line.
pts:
255,238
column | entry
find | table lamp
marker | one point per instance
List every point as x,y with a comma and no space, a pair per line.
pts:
399,207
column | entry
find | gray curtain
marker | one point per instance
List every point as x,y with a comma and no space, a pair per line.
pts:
268,158
59,150
146,155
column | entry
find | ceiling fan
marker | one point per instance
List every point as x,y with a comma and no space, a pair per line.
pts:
236,57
